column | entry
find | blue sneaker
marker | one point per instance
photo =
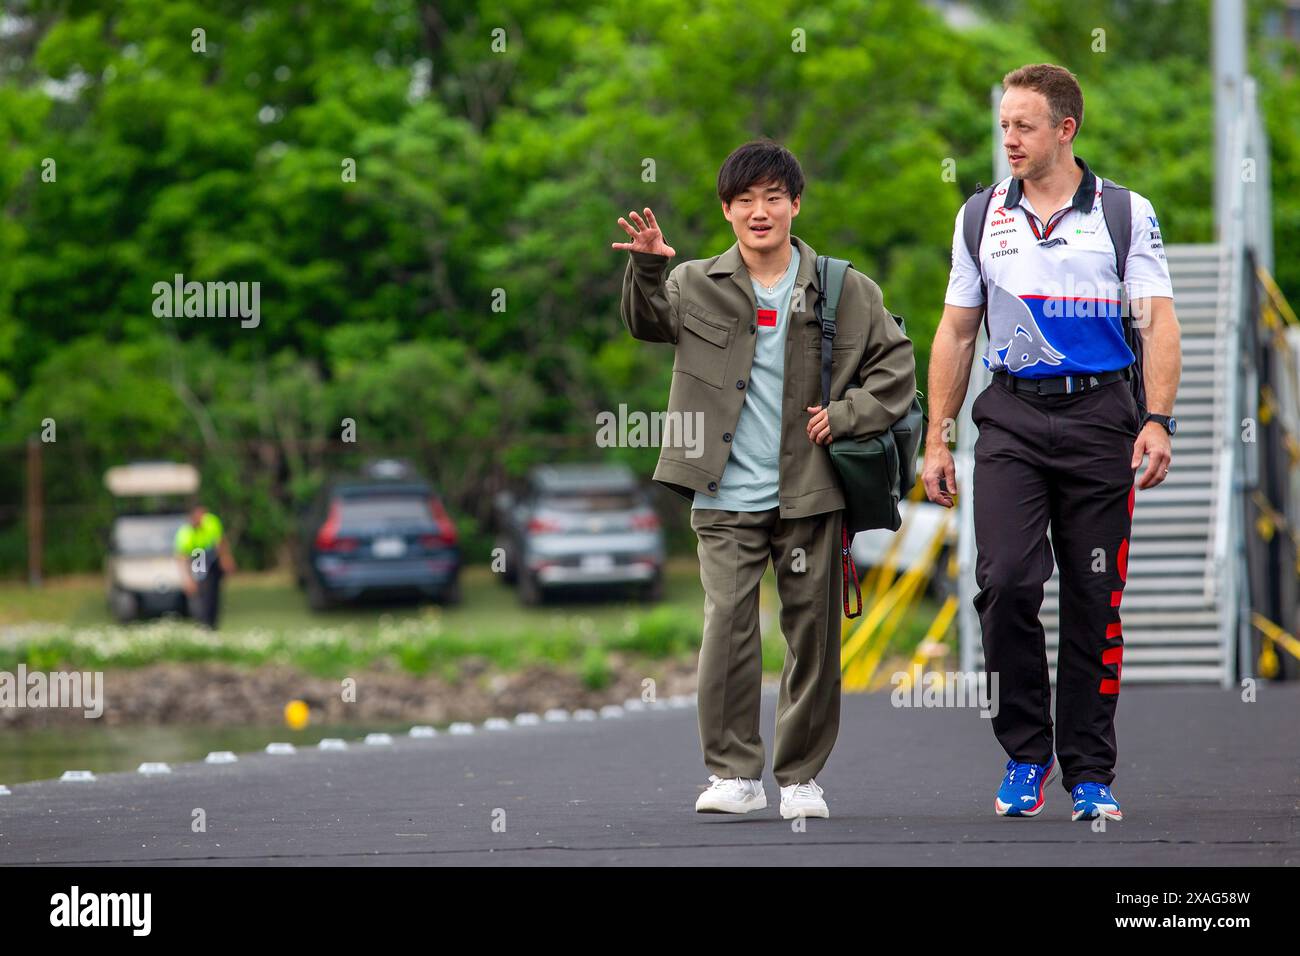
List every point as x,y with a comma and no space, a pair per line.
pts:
1021,793
1093,800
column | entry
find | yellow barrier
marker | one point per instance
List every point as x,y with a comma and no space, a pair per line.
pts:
931,645
1268,662
1276,298
864,645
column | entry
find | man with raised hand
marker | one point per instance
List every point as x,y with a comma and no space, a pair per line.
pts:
1047,256
748,362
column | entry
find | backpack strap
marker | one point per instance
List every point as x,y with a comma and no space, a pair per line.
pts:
830,280
1117,207
973,216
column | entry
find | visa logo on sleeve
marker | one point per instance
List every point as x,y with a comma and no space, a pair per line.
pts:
767,317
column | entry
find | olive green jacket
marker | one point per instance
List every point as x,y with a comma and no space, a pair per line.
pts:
706,309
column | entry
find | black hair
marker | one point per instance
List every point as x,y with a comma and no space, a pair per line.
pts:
756,163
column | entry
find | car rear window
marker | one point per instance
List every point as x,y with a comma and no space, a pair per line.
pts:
594,501
387,510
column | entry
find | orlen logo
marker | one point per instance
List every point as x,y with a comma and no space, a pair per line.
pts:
1002,222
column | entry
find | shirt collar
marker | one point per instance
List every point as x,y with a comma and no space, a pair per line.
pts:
1084,196
730,263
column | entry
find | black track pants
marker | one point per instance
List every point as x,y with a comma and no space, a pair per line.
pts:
1063,461
208,601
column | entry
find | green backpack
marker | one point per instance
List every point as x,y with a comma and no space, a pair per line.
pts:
877,472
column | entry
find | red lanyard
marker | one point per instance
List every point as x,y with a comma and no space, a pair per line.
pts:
1052,223
847,565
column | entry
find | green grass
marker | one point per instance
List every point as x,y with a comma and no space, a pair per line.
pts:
266,620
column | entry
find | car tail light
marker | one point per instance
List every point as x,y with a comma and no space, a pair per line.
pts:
327,538
446,530
645,522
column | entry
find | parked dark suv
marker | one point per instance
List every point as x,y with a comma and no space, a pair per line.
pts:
588,526
383,533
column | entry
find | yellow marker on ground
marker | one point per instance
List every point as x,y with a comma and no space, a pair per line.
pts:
297,714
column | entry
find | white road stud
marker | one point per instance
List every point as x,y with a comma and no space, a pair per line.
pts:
77,776
423,730
220,756
556,715
281,749
379,740
527,719
461,727
496,723
332,743
153,769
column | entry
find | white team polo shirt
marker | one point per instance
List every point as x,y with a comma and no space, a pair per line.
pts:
1054,303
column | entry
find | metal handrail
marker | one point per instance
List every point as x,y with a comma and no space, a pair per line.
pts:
1246,226
1232,265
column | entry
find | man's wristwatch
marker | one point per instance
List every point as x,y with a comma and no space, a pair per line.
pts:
1167,422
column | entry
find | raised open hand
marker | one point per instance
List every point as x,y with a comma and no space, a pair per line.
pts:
646,236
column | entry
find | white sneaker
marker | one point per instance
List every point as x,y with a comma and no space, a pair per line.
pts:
731,795
803,800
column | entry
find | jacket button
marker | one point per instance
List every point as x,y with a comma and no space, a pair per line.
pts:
713,486
740,384
726,436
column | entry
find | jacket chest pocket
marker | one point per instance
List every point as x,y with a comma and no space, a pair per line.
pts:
702,346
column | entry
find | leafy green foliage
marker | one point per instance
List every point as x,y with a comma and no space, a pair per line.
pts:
485,176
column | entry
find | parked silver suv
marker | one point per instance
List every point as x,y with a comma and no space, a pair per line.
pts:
589,526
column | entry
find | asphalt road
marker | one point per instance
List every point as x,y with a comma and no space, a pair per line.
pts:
1205,780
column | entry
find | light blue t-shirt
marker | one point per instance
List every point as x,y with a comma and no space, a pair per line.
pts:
751,479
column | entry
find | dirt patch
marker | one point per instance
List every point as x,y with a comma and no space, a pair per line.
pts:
223,694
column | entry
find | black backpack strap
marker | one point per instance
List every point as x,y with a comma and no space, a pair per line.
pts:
830,281
1117,207
973,216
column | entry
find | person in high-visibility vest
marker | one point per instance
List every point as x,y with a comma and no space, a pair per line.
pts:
204,557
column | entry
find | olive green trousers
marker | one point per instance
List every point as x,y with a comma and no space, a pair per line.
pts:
734,549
